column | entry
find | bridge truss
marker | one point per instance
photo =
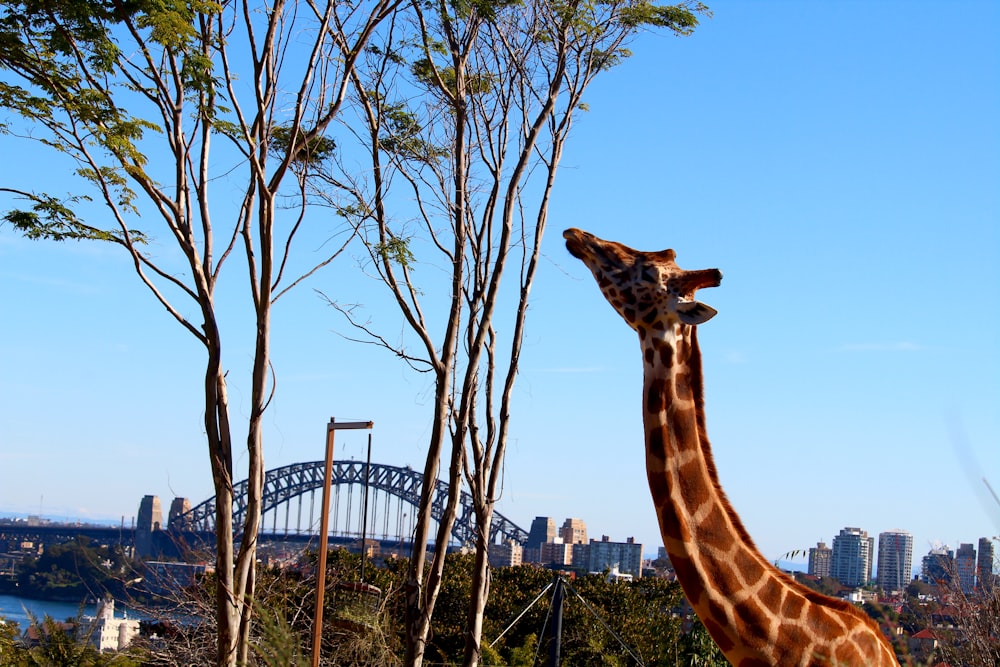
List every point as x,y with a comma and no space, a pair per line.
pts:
289,487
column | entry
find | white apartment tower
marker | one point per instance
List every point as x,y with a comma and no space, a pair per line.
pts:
851,559
895,560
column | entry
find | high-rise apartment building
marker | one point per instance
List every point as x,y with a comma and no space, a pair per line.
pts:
543,529
938,566
984,564
819,560
895,560
573,531
851,557
965,567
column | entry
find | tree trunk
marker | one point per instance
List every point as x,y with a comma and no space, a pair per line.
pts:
418,616
220,453
422,587
480,589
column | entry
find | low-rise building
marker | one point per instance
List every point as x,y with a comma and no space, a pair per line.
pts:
556,552
110,633
605,555
507,554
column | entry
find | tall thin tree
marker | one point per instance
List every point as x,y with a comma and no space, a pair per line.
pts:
468,105
167,112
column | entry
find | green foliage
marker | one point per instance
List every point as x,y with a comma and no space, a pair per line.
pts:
524,655
54,219
916,588
481,9
279,645
171,22
680,19
311,151
11,654
62,28
639,611
395,250
443,78
698,650
490,656
53,643
825,585
72,572
63,71
403,136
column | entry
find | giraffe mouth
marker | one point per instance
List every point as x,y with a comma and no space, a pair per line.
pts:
575,241
691,281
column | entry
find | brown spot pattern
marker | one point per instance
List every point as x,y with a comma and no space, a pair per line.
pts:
718,633
655,445
752,619
712,531
752,572
770,594
793,606
683,428
658,485
686,571
656,397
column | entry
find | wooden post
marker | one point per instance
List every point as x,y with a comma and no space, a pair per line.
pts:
324,518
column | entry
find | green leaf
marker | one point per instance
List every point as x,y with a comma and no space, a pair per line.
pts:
681,19
396,250
55,220
313,151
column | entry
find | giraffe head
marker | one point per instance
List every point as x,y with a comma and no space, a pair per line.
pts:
647,289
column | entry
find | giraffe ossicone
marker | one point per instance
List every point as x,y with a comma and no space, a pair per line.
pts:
755,613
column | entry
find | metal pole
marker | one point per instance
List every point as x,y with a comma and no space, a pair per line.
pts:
555,645
323,521
364,512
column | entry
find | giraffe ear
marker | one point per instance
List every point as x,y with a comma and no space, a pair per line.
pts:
695,312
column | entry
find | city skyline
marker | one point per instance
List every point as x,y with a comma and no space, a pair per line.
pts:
839,167
984,548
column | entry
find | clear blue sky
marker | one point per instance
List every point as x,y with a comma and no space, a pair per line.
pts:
838,161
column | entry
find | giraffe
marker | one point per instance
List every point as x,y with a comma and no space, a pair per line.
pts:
756,614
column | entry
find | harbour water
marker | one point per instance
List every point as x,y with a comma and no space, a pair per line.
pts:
19,610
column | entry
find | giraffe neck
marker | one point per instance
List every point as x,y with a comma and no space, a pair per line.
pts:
757,615
713,556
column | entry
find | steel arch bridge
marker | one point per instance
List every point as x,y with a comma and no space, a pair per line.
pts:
282,485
